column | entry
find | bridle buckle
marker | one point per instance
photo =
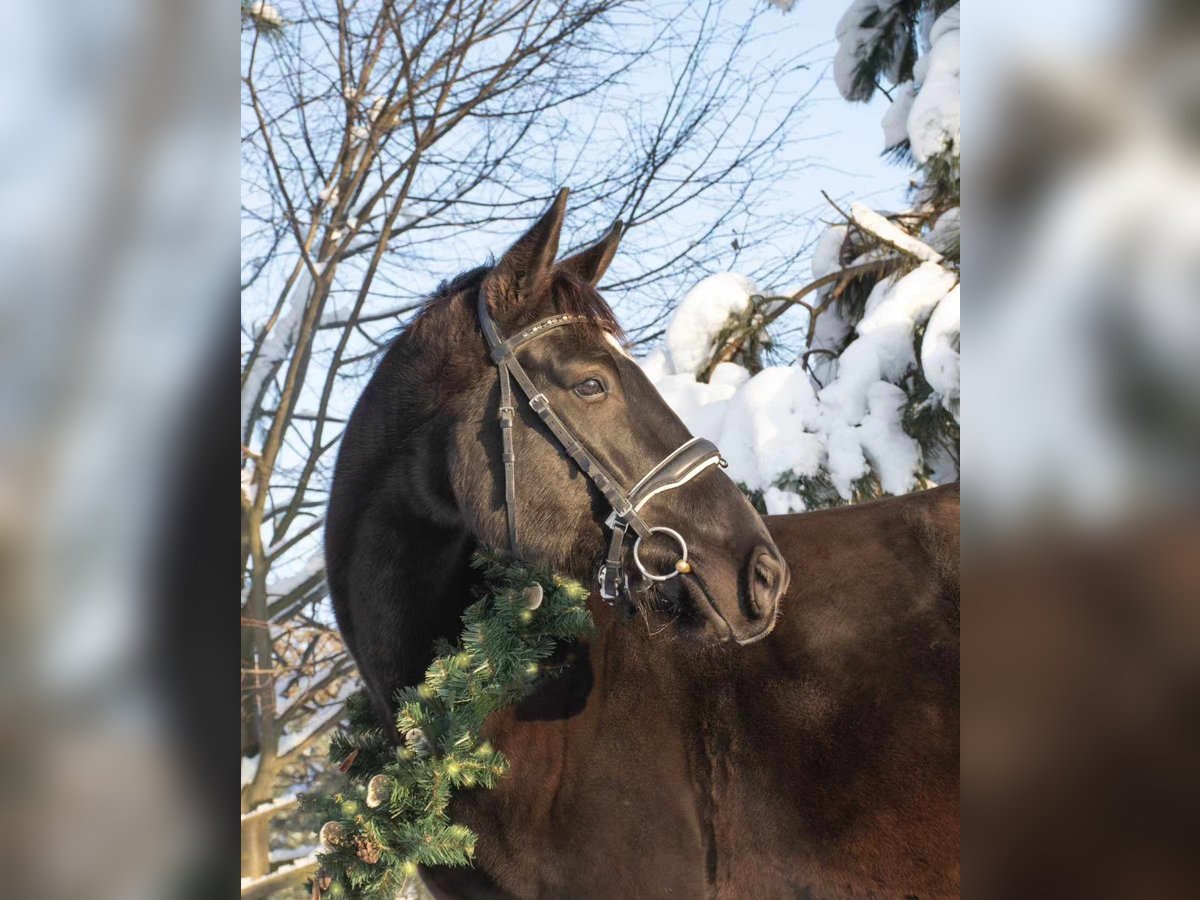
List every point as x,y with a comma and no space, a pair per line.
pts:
612,582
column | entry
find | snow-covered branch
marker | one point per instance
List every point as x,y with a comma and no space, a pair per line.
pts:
891,234
289,874
274,807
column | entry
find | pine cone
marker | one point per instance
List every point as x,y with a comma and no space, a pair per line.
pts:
365,850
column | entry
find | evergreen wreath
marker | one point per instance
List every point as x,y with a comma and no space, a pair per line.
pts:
394,816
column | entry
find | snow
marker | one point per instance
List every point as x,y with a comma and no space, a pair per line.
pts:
861,409
700,317
910,300
768,428
329,194
831,329
924,111
839,415
939,354
854,42
284,586
945,231
360,133
276,805
275,348
947,22
780,502
884,349
779,423
316,724
846,461
290,854
302,863
249,488
655,364
827,254
859,367
729,374
249,768
933,120
878,294
895,120
266,13
700,406
894,455
830,333
891,233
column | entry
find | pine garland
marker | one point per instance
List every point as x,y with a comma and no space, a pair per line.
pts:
394,815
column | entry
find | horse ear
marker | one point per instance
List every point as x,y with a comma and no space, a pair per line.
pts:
527,266
592,263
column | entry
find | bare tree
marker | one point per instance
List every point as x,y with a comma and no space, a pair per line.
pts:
379,143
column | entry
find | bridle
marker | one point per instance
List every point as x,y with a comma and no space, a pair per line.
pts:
677,469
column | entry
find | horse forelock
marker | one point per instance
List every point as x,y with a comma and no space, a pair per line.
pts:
576,297
441,318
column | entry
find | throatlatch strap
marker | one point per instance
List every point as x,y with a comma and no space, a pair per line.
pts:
507,414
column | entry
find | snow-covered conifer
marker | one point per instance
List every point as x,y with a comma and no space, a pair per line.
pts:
871,402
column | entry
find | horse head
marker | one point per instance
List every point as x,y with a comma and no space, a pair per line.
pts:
701,550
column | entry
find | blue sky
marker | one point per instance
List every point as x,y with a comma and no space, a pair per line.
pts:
832,145
846,136
835,146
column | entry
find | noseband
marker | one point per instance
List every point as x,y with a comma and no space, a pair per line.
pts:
677,469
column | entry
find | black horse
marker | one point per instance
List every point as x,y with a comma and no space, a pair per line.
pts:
706,746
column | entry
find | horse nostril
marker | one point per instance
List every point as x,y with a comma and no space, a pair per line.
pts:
762,574
765,584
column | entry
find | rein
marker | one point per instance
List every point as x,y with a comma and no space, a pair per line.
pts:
675,470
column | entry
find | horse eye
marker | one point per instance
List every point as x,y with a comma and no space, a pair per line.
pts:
589,388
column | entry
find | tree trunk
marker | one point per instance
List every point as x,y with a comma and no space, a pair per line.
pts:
256,847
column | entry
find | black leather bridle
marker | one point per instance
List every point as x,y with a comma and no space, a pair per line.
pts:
678,468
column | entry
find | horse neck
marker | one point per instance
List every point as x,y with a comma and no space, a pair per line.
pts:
626,669
435,547
398,552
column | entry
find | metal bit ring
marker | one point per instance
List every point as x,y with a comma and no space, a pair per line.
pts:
682,560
